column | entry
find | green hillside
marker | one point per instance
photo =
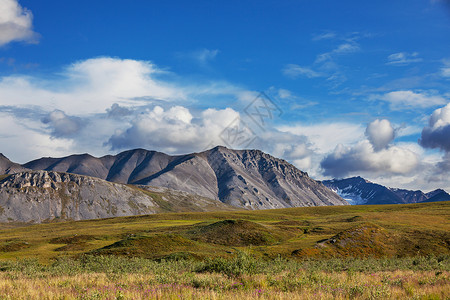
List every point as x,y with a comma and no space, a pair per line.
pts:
333,231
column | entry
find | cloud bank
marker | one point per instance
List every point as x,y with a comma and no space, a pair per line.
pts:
373,155
16,23
437,133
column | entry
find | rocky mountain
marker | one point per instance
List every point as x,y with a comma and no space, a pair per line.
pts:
9,167
242,178
357,190
39,196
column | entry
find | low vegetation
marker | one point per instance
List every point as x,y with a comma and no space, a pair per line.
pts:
240,277
354,252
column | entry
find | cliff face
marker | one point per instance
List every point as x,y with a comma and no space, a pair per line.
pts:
39,196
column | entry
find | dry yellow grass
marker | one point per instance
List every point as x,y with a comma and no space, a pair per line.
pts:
340,285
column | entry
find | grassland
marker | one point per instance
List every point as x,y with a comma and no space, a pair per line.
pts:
354,252
320,232
243,277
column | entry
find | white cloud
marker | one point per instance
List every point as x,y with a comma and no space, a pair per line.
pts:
174,130
91,86
437,133
403,58
445,70
406,99
294,71
15,23
380,133
21,142
202,57
101,99
362,159
324,137
61,124
373,156
205,55
345,48
324,36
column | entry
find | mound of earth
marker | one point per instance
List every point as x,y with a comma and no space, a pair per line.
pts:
366,239
148,246
235,233
11,246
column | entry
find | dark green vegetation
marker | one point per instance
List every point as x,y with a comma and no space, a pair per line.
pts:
298,233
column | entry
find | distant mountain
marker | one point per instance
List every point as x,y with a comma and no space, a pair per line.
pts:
242,178
437,195
357,190
40,196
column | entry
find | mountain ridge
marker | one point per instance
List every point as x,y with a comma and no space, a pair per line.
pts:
243,178
358,191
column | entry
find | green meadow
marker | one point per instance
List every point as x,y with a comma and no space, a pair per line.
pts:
348,252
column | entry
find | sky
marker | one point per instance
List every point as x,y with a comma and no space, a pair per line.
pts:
337,88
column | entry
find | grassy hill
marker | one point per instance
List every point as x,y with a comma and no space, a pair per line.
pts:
319,232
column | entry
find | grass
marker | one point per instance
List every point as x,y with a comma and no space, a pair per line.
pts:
354,252
241,277
298,233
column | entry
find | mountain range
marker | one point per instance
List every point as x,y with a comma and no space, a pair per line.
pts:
139,181
241,178
246,179
357,190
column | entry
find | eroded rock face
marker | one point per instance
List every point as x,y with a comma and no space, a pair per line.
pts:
39,196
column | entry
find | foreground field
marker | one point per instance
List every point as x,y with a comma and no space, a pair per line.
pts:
242,277
295,233
354,252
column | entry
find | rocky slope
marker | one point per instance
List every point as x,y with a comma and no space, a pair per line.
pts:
357,190
40,196
9,167
243,178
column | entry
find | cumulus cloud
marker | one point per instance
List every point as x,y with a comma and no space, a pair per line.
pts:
117,111
61,124
406,99
174,130
106,99
324,137
361,158
380,133
294,71
437,133
91,86
373,155
403,58
15,23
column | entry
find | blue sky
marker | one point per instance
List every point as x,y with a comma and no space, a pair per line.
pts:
356,87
